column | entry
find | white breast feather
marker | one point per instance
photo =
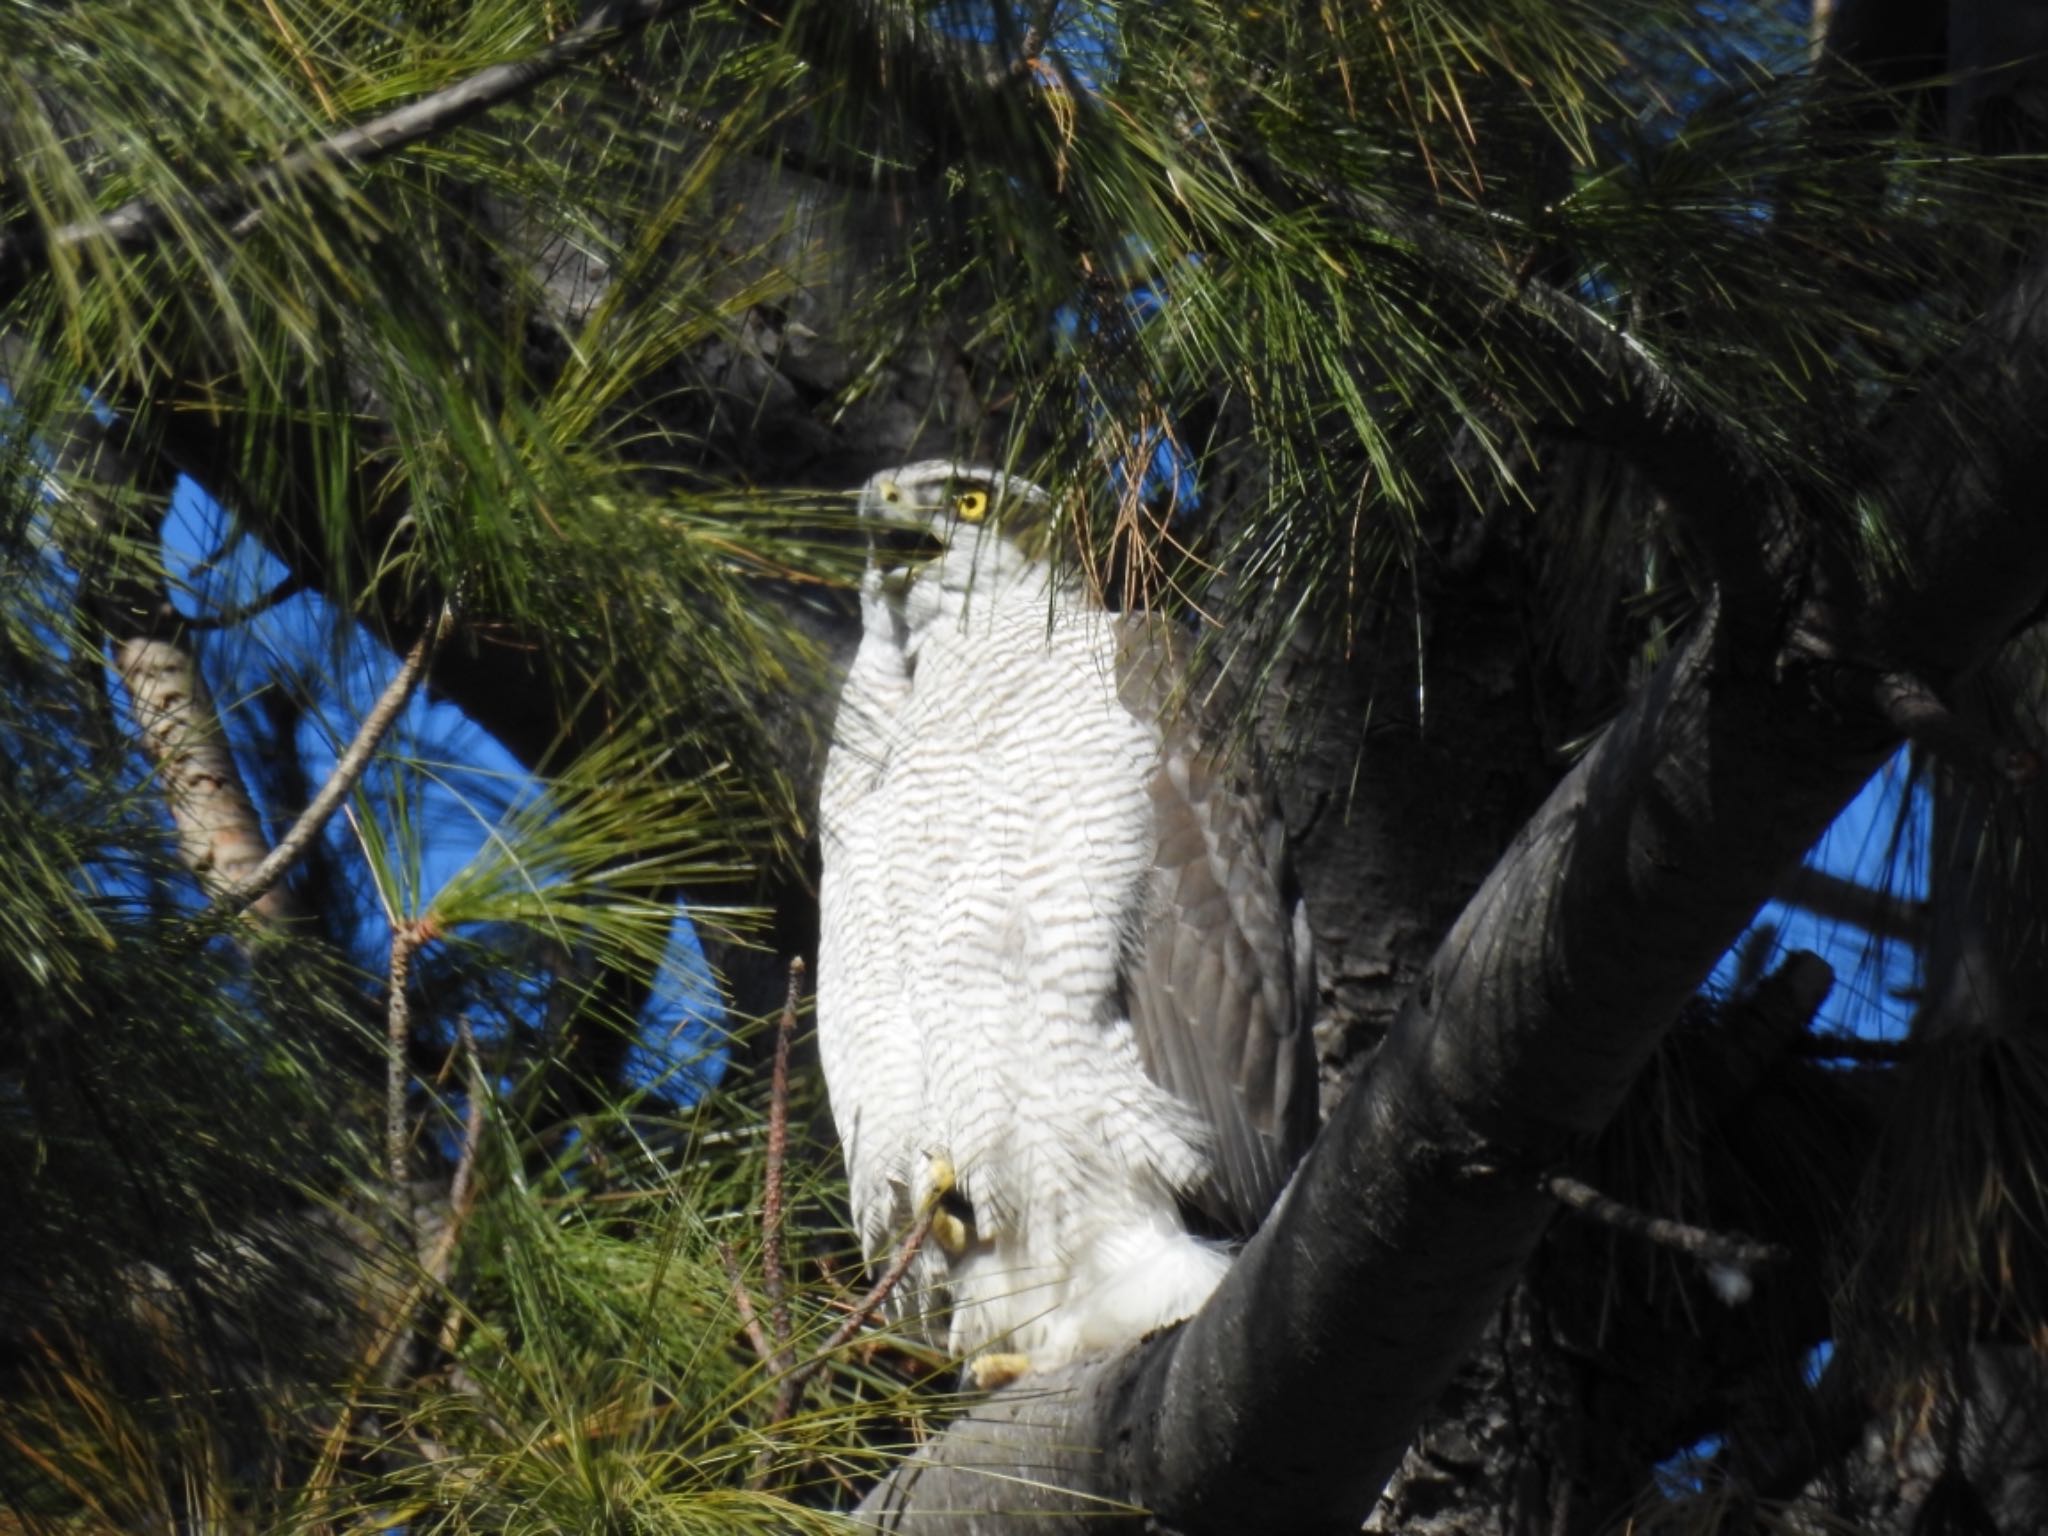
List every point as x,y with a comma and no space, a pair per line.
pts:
987,842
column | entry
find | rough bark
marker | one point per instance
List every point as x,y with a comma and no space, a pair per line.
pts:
220,834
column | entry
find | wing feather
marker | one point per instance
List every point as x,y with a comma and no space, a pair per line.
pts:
1213,981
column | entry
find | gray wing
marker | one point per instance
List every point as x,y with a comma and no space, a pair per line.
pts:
1217,980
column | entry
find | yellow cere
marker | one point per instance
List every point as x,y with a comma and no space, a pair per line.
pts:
971,505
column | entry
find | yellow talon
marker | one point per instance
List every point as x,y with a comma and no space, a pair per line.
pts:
948,1230
995,1370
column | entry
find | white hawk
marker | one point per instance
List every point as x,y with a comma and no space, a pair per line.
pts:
1062,991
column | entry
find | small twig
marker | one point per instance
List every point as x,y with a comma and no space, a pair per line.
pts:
796,1378
794,1383
773,1271
395,1356
406,940
1729,1250
1878,913
348,768
462,1185
743,1300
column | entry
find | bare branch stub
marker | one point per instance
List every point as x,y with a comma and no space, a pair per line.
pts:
1722,1251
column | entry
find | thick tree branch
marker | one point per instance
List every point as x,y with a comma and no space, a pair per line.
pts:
220,836
108,502
1287,1401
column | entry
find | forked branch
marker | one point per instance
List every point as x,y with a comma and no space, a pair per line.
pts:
348,769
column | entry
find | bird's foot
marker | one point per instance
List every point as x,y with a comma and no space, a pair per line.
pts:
996,1369
949,1231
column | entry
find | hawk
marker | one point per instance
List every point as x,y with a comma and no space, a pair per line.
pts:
1062,988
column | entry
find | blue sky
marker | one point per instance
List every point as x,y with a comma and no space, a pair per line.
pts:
445,782
1869,844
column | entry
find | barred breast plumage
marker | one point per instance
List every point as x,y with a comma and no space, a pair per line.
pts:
1017,848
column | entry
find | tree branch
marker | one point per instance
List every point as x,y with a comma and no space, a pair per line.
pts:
220,836
774,1279
108,501
142,222
406,939
348,769
1723,1249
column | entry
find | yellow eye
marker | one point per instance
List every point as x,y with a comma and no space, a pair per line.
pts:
971,505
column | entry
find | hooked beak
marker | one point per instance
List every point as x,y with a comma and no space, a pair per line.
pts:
906,545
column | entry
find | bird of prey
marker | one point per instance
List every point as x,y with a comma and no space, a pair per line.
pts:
1062,986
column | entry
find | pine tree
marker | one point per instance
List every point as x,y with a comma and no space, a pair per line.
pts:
1603,432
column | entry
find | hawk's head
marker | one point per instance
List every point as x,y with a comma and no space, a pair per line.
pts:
921,511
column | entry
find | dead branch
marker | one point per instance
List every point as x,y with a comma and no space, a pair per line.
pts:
1730,1253
1878,913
